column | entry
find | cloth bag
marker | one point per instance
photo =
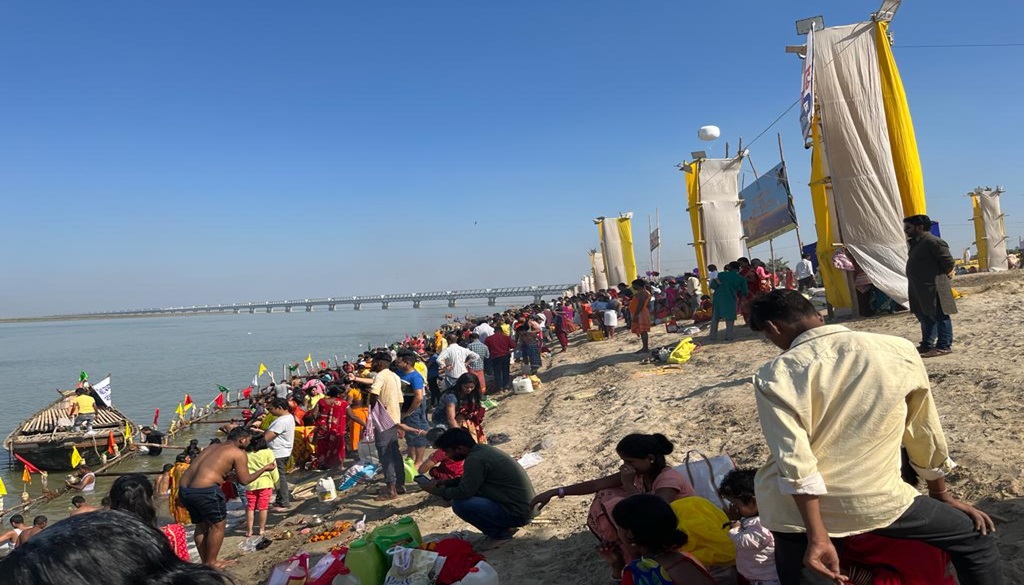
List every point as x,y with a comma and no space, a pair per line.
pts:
413,566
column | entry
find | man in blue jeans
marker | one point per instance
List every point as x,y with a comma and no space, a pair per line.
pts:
929,273
494,492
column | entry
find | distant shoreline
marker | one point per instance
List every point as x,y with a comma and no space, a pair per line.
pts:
102,317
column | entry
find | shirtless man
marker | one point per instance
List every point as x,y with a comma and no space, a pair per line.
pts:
10,538
200,491
162,485
78,506
38,523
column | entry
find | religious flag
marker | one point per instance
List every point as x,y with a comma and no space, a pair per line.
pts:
102,389
188,402
26,477
127,433
28,466
293,367
309,359
219,401
156,418
247,393
82,376
263,370
3,488
76,458
255,382
222,389
111,445
180,411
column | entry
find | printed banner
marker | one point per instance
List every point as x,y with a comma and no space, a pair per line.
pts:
767,210
807,91
102,389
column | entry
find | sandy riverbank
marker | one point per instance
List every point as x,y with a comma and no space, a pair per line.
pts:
597,392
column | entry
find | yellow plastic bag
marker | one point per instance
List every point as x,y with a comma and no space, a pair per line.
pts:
702,522
682,352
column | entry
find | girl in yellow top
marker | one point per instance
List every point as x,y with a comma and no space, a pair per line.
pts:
260,489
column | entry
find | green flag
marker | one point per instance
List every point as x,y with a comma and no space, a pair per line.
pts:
293,367
222,389
82,376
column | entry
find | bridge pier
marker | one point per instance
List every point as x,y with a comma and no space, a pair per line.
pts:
309,308
416,304
270,309
236,311
252,310
331,307
537,299
357,306
385,306
451,303
288,309
492,301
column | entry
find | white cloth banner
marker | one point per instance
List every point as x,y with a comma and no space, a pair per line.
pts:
102,389
611,246
856,138
720,210
995,231
600,278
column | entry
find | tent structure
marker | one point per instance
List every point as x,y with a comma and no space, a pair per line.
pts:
713,198
873,178
989,229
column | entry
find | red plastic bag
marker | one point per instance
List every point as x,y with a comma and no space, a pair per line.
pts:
291,572
326,569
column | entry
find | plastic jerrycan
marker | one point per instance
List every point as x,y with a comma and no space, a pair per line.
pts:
481,574
405,532
345,577
366,562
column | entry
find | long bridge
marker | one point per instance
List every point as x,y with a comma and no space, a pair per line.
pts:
356,302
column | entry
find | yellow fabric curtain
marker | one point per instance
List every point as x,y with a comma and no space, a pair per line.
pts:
837,290
905,157
692,200
625,226
980,239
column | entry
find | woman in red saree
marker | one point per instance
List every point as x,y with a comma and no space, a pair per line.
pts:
330,414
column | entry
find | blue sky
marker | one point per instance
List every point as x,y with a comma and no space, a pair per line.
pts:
157,154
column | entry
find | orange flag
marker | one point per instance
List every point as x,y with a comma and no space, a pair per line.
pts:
110,443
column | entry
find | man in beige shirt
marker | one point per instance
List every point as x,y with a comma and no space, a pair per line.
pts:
836,407
386,388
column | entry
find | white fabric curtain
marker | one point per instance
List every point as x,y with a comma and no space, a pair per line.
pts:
720,210
600,277
866,196
995,232
611,246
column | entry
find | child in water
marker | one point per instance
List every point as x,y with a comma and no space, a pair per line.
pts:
755,545
646,522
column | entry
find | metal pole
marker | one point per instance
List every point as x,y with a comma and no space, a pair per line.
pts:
782,158
650,231
657,216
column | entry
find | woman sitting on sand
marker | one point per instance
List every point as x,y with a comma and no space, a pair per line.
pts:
643,471
461,406
649,527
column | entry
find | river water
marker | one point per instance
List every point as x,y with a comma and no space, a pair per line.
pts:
155,361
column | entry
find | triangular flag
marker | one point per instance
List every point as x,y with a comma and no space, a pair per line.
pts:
180,411
3,488
28,466
76,458
309,359
127,433
82,376
222,389
156,418
263,370
247,392
111,444
255,382
26,477
219,401
188,402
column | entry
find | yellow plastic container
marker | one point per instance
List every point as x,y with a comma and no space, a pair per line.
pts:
596,335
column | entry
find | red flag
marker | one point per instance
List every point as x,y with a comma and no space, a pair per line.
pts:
28,466
156,418
247,392
188,401
219,401
111,445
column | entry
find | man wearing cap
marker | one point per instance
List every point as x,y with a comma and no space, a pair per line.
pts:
929,273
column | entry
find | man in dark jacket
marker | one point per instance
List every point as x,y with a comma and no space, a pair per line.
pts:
929,271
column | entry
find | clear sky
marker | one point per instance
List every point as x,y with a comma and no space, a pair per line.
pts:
169,153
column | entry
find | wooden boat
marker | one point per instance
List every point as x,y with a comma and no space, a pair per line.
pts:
43,442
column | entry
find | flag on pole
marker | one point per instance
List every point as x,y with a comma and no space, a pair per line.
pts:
188,402
223,389
76,458
28,466
82,376
255,382
127,433
102,389
111,444
247,393
3,488
156,418
26,477
309,359
219,401
263,370
180,411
